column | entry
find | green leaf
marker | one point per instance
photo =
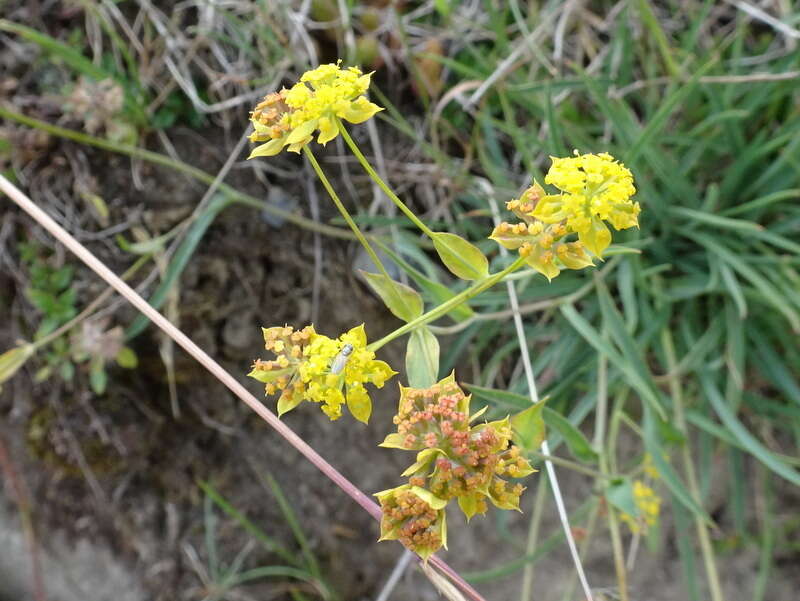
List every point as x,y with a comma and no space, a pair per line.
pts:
61,278
578,444
631,367
667,473
404,302
98,379
510,401
270,544
70,55
13,359
422,358
42,300
43,373
429,497
145,247
769,292
127,358
633,356
67,371
528,427
463,259
439,292
294,523
269,375
469,504
424,459
619,493
443,7
393,441
742,434
287,402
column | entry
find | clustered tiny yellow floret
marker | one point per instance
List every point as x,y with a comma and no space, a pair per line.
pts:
302,370
455,460
594,189
321,97
415,517
648,506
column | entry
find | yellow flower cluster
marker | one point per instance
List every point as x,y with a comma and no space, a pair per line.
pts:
455,461
415,517
303,369
648,506
321,97
594,189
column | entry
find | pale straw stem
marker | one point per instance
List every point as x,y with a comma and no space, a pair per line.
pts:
394,577
545,448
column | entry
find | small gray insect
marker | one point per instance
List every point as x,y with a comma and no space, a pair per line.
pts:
340,360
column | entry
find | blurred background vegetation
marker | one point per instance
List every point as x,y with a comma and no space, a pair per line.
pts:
675,361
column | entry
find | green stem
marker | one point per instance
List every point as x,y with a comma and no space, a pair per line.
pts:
337,201
459,298
533,537
570,465
381,184
587,541
676,393
616,543
600,446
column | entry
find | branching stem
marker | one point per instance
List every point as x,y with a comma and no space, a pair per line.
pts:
345,214
449,305
382,184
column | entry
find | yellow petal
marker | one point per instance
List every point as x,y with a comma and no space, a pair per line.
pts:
298,145
550,209
357,336
575,256
269,149
359,403
327,130
358,111
596,238
302,131
540,262
288,401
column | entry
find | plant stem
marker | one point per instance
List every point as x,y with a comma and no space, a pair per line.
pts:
382,184
337,201
676,393
533,537
570,465
585,544
616,543
459,298
601,416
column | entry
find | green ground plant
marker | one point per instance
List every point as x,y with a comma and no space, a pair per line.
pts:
220,580
65,337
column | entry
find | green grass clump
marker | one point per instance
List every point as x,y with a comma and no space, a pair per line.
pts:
689,343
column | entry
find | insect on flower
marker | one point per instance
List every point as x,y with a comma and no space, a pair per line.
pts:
340,361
